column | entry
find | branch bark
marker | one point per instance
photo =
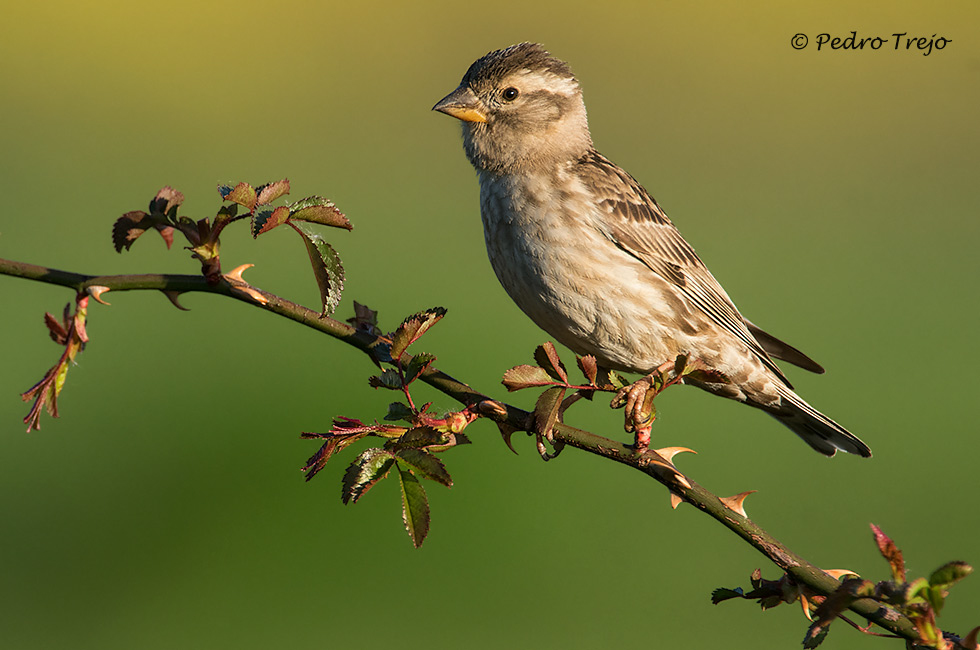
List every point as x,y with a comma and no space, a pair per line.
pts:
649,462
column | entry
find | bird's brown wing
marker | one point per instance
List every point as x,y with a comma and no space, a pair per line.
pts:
638,226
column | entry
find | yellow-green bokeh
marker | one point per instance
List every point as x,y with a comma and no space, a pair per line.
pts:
834,193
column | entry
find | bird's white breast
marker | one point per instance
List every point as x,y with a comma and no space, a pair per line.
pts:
547,246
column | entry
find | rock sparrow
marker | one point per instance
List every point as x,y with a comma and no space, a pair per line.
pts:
584,251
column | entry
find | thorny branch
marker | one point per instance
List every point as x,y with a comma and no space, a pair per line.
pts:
649,462
902,607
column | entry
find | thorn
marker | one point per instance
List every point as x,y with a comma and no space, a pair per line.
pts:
735,502
235,275
837,574
970,640
668,453
492,409
806,607
96,291
174,297
254,294
506,431
675,499
682,480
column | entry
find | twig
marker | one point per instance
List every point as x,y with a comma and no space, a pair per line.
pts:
649,462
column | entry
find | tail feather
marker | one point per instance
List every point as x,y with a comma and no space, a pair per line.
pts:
816,429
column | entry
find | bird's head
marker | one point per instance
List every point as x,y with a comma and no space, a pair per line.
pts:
521,108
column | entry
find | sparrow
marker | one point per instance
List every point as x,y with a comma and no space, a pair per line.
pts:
590,256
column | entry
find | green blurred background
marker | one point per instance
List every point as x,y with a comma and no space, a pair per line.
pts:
835,194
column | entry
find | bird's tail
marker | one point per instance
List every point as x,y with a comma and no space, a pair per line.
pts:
816,429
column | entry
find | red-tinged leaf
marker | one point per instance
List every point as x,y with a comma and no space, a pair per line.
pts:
412,329
166,202
56,330
415,506
365,472
167,233
128,228
243,194
589,367
546,410
890,552
265,220
345,423
525,376
316,209
547,357
318,461
327,269
424,464
271,191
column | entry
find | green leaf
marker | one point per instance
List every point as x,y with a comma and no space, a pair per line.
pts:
616,380
547,357
421,437
226,214
424,464
417,366
388,379
525,376
890,552
265,220
722,594
412,329
399,411
546,410
327,269
316,209
365,472
271,191
243,194
415,506
950,573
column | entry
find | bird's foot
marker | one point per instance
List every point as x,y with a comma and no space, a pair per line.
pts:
637,399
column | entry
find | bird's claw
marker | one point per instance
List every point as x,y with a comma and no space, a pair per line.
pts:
556,445
637,399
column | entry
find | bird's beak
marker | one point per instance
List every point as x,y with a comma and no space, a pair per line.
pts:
463,105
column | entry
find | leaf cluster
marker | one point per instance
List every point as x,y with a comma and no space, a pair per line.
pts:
920,600
243,202
410,449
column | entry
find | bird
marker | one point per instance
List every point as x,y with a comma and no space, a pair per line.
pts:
588,254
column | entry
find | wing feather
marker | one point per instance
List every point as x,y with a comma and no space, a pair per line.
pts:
638,226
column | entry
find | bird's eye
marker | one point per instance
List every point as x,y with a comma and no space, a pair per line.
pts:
510,94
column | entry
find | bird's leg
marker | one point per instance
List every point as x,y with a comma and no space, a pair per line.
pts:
639,409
